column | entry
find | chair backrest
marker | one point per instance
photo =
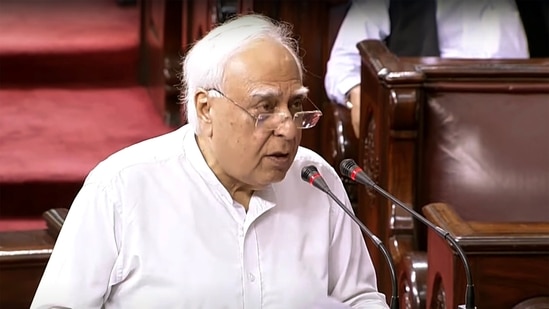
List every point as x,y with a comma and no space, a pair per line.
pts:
485,151
470,133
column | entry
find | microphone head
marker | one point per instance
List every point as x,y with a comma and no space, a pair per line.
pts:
350,169
347,166
311,175
308,172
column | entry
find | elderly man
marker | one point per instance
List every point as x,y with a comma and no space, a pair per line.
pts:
215,215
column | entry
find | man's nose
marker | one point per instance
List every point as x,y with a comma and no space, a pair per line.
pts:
287,128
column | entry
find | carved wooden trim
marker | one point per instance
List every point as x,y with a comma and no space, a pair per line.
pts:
513,69
387,65
402,127
403,108
412,279
172,82
388,119
439,295
527,237
370,160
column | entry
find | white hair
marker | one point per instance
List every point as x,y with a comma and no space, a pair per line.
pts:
204,64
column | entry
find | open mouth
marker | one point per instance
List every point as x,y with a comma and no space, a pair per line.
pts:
279,158
280,155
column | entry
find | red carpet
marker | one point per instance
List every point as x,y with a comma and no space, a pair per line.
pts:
69,97
51,41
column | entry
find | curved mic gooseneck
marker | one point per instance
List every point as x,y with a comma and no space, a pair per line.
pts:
350,169
311,175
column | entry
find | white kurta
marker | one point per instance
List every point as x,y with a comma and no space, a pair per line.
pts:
152,227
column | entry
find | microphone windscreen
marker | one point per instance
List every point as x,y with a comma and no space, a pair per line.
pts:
307,172
347,166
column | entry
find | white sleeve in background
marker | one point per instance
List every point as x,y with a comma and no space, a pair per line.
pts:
366,19
486,29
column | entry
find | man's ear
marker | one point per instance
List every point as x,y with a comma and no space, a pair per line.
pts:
203,112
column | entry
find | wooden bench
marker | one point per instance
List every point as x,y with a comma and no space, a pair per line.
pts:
23,258
470,134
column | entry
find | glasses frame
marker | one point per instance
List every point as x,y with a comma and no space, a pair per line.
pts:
257,118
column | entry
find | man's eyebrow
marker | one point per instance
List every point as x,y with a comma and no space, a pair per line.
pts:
301,92
274,93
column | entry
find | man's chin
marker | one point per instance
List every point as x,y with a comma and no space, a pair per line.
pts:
275,170
274,176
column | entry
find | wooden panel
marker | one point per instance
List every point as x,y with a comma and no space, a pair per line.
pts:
388,136
509,262
393,152
23,258
503,281
160,51
151,49
198,18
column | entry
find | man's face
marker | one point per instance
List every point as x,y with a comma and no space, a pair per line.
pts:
262,78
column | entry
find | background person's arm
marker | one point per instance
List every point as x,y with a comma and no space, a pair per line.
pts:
366,19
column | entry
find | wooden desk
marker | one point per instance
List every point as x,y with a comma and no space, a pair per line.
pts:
509,261
23,258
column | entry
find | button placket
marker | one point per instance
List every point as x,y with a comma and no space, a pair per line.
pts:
251,274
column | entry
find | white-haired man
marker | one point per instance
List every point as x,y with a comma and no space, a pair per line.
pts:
215,215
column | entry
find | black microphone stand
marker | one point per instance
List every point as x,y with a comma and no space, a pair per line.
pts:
379,244
310,174
348,170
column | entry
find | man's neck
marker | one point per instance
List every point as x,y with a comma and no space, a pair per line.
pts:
241,193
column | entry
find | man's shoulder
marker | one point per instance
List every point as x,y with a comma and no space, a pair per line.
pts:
306,157
149,151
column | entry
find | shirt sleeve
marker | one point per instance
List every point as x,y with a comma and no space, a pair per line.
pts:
366,19
80,269
352,277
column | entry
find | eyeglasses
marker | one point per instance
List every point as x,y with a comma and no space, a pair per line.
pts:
272,121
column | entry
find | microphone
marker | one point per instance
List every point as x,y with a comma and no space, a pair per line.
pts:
311,175
349,168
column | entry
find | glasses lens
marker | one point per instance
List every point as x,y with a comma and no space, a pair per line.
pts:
307,120
302,120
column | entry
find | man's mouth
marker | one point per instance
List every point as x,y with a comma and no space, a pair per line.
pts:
280,159
280,155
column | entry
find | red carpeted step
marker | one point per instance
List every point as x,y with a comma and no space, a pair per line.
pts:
52,137
59,134
69,97
21,224
60,41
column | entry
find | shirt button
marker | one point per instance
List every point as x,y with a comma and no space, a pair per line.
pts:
241,232
252,277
